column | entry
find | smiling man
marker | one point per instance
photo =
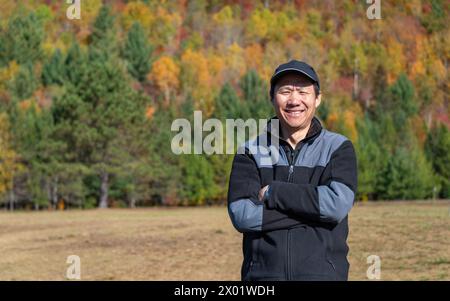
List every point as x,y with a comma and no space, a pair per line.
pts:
293,213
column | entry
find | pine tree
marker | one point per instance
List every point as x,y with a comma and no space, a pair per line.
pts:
137,51
228,105
103,40
437,147
23,39
255,95
53,70
99,119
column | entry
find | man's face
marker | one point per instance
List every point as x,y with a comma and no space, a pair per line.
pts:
295,101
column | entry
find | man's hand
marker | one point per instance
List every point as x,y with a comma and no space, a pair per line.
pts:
262,192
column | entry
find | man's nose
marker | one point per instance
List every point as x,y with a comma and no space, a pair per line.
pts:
294,98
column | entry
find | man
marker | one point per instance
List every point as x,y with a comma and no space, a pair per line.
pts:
293,212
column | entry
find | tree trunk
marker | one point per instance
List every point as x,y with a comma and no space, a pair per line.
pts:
11,199
132,202
55,193
355,80
104,190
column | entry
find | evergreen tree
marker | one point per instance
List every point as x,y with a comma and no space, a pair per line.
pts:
103,40
228,105
24,83
75,64
137,51
53,70
370,158
23,39
437,148
255,94
407,175
99,119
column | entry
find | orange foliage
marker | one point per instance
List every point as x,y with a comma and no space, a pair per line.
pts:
165,74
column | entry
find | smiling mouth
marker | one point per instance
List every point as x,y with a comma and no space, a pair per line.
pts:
295,113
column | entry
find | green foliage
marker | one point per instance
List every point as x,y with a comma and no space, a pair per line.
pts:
228,104
137,51
53,70
370,158
437,148
437,18
23,39
198,185
24,83
255,95
407,175
103,40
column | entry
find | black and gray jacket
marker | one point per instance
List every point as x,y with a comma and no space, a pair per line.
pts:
299,231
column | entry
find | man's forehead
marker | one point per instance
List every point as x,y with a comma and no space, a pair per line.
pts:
294,79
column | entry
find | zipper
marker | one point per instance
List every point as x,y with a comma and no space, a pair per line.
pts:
288,269
292,159
291,171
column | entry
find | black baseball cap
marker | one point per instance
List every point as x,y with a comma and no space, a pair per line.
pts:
295,67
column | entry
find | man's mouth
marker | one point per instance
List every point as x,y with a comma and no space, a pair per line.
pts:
295,113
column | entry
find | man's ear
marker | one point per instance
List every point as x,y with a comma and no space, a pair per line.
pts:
318,100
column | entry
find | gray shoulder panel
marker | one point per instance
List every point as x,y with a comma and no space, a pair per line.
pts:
265,155
319,152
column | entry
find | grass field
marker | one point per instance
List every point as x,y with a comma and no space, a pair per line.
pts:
411,238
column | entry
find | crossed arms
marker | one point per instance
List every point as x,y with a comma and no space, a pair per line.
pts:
288,204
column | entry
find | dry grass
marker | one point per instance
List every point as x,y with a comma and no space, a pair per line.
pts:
412,240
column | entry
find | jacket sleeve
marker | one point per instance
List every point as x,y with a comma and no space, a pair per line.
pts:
328,203
247,213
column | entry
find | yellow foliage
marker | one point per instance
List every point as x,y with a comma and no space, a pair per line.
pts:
396,59
258,24
254,56
137,12
165,74
9,159
236,61
197,79
350,125
8,73
224,16
216,66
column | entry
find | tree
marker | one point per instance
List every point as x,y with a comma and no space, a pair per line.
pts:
24,83
103,40
9,159
198,180
137,51
437,148
99,119
164,74
53,70
228,105
256,95
370,158
407,175
23,39
75,65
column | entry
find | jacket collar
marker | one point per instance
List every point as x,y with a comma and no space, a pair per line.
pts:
314,130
